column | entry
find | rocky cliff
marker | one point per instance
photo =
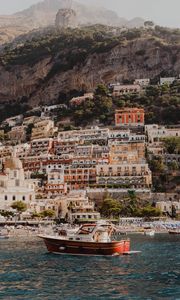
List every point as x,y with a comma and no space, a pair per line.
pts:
66,18
43,14
79,59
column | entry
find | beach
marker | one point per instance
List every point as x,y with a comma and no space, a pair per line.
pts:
29,232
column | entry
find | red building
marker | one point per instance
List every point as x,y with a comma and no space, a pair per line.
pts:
129,117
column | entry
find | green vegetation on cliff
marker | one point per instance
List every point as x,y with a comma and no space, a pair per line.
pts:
161,104
129,206
72,46
69,50
68,47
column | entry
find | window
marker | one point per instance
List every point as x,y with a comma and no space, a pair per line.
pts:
5,198
2,183
14,198
24,198
17,182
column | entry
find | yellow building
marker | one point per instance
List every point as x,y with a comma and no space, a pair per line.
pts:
43,129
132,152
124,175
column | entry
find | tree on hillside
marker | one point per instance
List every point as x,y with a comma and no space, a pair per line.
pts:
157,164
6,214
101,90
19,206
164,89
1,136
48,213
103,103
150,211
152,91
131,205
173,211
36,215
172,145
110,208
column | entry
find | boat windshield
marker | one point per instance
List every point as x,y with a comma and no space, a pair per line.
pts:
86,229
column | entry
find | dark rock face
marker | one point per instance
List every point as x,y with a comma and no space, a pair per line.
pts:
66,18
118,64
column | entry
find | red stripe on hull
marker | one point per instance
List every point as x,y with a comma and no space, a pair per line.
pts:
174,232
87,248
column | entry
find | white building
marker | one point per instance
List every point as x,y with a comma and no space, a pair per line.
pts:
173,132
22,150
167,80
6,151
128,175
30,120
77,206
41,146
40,205
156,133
14,121
55,184
167,206
13,185
17,134
119,90
85,135
142,82
53,108
79,100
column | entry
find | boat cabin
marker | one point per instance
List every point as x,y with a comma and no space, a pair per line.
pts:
98,233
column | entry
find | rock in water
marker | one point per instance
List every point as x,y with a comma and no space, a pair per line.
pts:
66,18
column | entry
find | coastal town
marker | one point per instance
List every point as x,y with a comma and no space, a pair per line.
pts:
68,174
89,149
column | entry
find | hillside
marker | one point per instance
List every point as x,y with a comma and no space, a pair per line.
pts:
43,14
58,63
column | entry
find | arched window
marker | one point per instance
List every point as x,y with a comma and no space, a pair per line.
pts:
24,198
5,198
14,198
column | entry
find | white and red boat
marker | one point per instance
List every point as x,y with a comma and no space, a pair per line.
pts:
90,239
174,231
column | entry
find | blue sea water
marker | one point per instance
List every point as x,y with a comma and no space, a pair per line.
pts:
27,271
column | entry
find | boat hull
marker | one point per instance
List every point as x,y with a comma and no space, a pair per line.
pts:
174,232
59,246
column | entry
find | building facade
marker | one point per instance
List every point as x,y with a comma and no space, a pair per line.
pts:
132,117
119,90
13,185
